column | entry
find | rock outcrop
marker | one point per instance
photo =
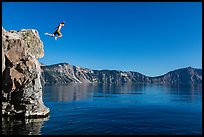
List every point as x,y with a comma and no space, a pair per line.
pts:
66,73
21,72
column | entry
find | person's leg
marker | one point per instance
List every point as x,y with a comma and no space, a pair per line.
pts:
59,35
52,35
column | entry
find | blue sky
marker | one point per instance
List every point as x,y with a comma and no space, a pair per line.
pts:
151,37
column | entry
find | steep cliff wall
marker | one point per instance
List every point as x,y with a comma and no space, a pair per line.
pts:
21,72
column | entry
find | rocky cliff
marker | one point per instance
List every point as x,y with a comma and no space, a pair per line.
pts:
21,72
187,75
66,73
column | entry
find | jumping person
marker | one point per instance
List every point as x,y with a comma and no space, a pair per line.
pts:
57,32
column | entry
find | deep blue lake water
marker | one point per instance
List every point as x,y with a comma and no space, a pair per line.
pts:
81,109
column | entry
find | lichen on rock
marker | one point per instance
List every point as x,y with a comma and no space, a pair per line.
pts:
21,85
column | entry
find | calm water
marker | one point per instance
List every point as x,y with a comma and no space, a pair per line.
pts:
110,109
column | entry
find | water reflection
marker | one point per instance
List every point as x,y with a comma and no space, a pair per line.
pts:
67,92
127,88
75,92
184,92
111,98
18,126
124,109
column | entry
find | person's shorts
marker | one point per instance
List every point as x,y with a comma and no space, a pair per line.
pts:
57,32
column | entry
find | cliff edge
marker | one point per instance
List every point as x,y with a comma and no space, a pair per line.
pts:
21,72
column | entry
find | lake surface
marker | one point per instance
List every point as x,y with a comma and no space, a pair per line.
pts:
84,109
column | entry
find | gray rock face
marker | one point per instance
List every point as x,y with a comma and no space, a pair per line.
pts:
21,72
66,73
181,76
